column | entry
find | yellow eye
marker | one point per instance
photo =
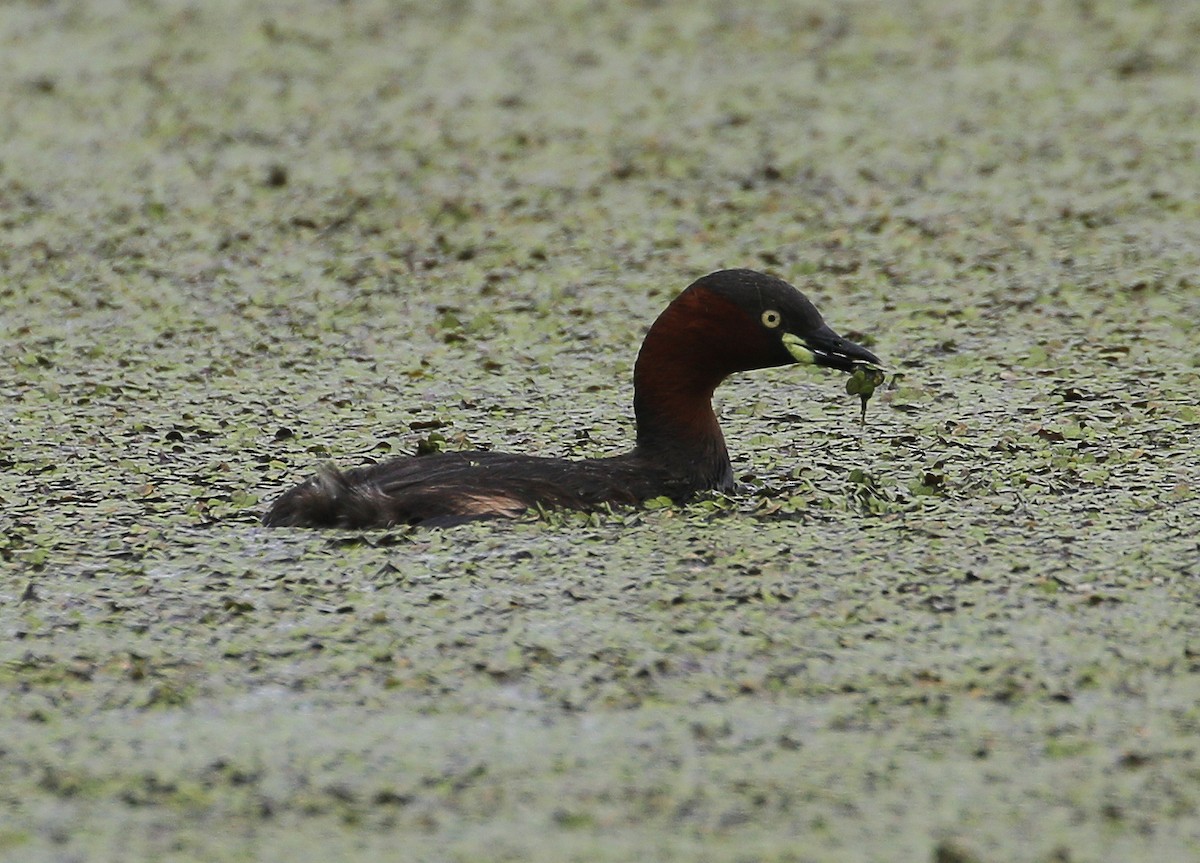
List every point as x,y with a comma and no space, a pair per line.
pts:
771,318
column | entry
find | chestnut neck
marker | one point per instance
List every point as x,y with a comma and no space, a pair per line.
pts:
677,370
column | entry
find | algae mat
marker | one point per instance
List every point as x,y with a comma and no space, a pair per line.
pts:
242,239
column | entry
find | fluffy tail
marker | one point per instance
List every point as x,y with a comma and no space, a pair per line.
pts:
331,499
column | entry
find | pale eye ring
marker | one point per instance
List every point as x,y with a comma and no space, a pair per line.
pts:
771,318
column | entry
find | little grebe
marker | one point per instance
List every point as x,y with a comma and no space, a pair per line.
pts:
729,321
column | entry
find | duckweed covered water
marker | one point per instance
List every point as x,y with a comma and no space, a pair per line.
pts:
240,240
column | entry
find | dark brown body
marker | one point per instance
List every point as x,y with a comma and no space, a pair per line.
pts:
729,321
446,488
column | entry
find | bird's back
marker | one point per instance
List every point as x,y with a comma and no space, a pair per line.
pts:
446,488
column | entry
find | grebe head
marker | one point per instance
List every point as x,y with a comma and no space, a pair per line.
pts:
737,320
729,321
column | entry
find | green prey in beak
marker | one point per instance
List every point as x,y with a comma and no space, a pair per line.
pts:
824,347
